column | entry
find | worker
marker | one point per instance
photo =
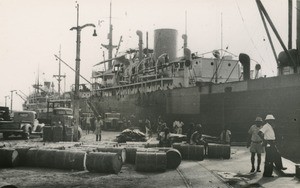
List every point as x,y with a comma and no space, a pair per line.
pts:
267,134
197,139
99,124
164,138
225,136
255,143
148,128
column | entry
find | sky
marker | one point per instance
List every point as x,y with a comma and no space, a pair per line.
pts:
32,31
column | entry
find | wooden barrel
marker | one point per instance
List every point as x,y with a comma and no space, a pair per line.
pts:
217,151
190,152
121,151
40,157
130,155
104,162
57,133
8,157
69,134
151,161
47,133
70,160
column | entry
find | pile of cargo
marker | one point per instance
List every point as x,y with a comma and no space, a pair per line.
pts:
131,135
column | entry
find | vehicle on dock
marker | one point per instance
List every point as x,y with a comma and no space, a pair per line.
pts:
62,116
22,123
112,121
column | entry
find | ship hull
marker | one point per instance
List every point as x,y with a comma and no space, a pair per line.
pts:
234,105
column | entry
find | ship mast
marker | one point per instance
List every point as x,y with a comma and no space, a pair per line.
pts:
110,46
59,76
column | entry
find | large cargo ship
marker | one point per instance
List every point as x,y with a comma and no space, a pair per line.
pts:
216,92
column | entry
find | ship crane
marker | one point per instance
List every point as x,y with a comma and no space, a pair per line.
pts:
21,96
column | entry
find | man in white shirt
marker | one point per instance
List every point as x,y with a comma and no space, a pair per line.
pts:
267,134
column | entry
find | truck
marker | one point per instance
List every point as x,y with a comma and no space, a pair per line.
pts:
62,116
112,121
22,123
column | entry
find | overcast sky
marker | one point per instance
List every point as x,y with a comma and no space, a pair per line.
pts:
32,30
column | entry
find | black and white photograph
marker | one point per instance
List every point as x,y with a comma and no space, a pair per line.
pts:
150,93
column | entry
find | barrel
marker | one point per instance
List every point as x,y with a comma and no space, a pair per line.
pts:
297,166
8,157
217,151
130,155
173,158
22,151
40,157
151,161
57,133
70,160
69,134
190,152
104,162
6,185
121,151
47,133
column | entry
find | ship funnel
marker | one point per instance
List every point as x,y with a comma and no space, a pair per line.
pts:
165,41
245,60
140,34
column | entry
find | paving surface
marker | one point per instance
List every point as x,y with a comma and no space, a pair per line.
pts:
213,173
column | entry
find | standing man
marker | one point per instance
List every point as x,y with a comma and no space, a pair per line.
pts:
99,124
148,127
255,143
225,136
267,134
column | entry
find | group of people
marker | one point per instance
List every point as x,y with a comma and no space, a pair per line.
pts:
92,123
262,136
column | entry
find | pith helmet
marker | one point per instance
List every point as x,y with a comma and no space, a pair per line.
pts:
258,119
270,117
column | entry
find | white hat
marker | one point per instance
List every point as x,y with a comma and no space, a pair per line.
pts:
270,117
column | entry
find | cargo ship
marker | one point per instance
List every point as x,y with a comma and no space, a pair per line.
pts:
216,92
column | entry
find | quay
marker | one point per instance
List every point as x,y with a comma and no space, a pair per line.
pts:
214,173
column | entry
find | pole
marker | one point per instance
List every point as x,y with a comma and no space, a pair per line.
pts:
7,96
11,100
77,73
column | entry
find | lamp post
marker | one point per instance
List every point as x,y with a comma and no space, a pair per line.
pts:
7,96
11,100
77,72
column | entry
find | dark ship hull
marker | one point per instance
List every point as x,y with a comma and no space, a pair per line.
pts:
234,105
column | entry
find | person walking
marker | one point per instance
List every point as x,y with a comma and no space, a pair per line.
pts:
98,124
267,134
255,143
88,124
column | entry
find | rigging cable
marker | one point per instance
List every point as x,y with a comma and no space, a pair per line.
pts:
248,31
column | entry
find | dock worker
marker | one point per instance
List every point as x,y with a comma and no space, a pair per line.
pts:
98,124
267,134
197,139
164,138
255,143
225,136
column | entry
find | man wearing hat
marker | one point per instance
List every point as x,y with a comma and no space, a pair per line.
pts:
267,134
255,143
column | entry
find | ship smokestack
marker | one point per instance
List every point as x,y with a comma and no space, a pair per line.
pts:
165,41
245,60
140,34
